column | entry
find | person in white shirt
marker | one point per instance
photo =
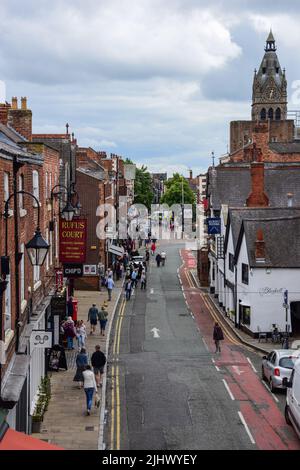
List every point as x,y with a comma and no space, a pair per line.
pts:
90,386
163,257
110,286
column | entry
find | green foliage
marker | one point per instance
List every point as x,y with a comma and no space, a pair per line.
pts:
173,193
143,190
44,395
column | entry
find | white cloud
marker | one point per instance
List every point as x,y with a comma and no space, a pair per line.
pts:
119,39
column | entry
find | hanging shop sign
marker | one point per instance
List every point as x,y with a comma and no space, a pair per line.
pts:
41,339
72,241
73,270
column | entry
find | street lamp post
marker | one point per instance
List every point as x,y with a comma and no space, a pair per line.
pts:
37,249
182,205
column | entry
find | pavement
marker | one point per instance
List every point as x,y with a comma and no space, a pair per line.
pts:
65,422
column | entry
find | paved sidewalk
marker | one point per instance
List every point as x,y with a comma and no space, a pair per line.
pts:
65,422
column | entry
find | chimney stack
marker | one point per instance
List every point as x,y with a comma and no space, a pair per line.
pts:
257,197
260,250
4,109
20,119
191,174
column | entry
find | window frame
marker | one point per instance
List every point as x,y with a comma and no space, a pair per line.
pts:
245,269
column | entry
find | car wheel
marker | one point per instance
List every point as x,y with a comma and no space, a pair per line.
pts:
287,416
263,374
272,388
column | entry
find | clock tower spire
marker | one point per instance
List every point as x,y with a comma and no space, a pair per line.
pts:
269,97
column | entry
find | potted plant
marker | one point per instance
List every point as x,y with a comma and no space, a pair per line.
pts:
44,394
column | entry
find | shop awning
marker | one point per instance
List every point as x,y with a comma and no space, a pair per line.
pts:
13,440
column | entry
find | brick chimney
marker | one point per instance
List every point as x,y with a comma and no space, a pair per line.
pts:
21,119
4,108
257,197
260,250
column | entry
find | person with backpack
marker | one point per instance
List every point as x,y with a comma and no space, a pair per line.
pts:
70,332
93,318
218,336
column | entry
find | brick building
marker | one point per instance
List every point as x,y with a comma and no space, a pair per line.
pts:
26,166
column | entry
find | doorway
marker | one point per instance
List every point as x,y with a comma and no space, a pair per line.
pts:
295,319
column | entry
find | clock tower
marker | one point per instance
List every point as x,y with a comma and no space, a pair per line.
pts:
269,97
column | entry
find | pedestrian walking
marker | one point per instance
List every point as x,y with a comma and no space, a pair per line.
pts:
81,334
110,286
134,278
98,361
81,363
163,257
90,386
158,259
143,280
128,289
147,256
93,318
218,336
153,248
102,317
70,332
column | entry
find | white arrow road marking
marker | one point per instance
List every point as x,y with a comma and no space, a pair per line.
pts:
237,370
155,332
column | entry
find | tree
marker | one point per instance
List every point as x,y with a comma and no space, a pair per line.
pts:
175,187
143,190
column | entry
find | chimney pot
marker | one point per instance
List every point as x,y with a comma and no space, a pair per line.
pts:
14,102
23,103
191,174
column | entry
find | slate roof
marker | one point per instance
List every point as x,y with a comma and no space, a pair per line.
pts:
236,216
231,185
9,146
282,241
97,174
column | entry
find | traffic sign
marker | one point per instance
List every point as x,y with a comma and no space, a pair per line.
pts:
214,226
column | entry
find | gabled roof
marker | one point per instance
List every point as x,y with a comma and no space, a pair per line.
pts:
231,185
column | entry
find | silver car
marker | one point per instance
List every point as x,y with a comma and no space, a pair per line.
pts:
277,365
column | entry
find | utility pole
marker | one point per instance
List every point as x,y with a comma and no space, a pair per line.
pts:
182,205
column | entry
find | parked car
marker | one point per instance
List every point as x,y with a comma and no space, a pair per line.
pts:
136,261
277,365
292,407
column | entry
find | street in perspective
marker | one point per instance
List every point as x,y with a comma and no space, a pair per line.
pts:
149,230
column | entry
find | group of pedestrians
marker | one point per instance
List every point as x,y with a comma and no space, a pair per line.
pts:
95,316
161,258
74,329
90,379
132,279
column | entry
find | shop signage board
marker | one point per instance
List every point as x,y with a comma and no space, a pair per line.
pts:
40,339
73,270
116,250
72,241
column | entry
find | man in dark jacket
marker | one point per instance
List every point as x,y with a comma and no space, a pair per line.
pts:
218,336
93,318
98,361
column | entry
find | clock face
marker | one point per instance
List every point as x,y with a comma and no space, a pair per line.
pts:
271,94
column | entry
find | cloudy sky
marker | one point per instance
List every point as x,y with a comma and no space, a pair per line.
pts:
154,80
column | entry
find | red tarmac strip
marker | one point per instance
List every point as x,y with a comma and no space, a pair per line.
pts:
264,419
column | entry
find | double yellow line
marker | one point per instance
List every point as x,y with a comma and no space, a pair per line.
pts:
189,279
115,430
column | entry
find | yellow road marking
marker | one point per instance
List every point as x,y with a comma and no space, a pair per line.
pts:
115,389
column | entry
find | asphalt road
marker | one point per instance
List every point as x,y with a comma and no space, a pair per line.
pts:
168,393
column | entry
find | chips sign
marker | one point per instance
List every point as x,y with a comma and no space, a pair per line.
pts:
72,241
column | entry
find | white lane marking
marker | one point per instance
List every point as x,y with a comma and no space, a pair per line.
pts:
151,291
246,427
217,368
155,332
177,270
204,343
268,388
228,389
184,295
237,370
213,360
249,360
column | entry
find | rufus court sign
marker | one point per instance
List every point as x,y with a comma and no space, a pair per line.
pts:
72,241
